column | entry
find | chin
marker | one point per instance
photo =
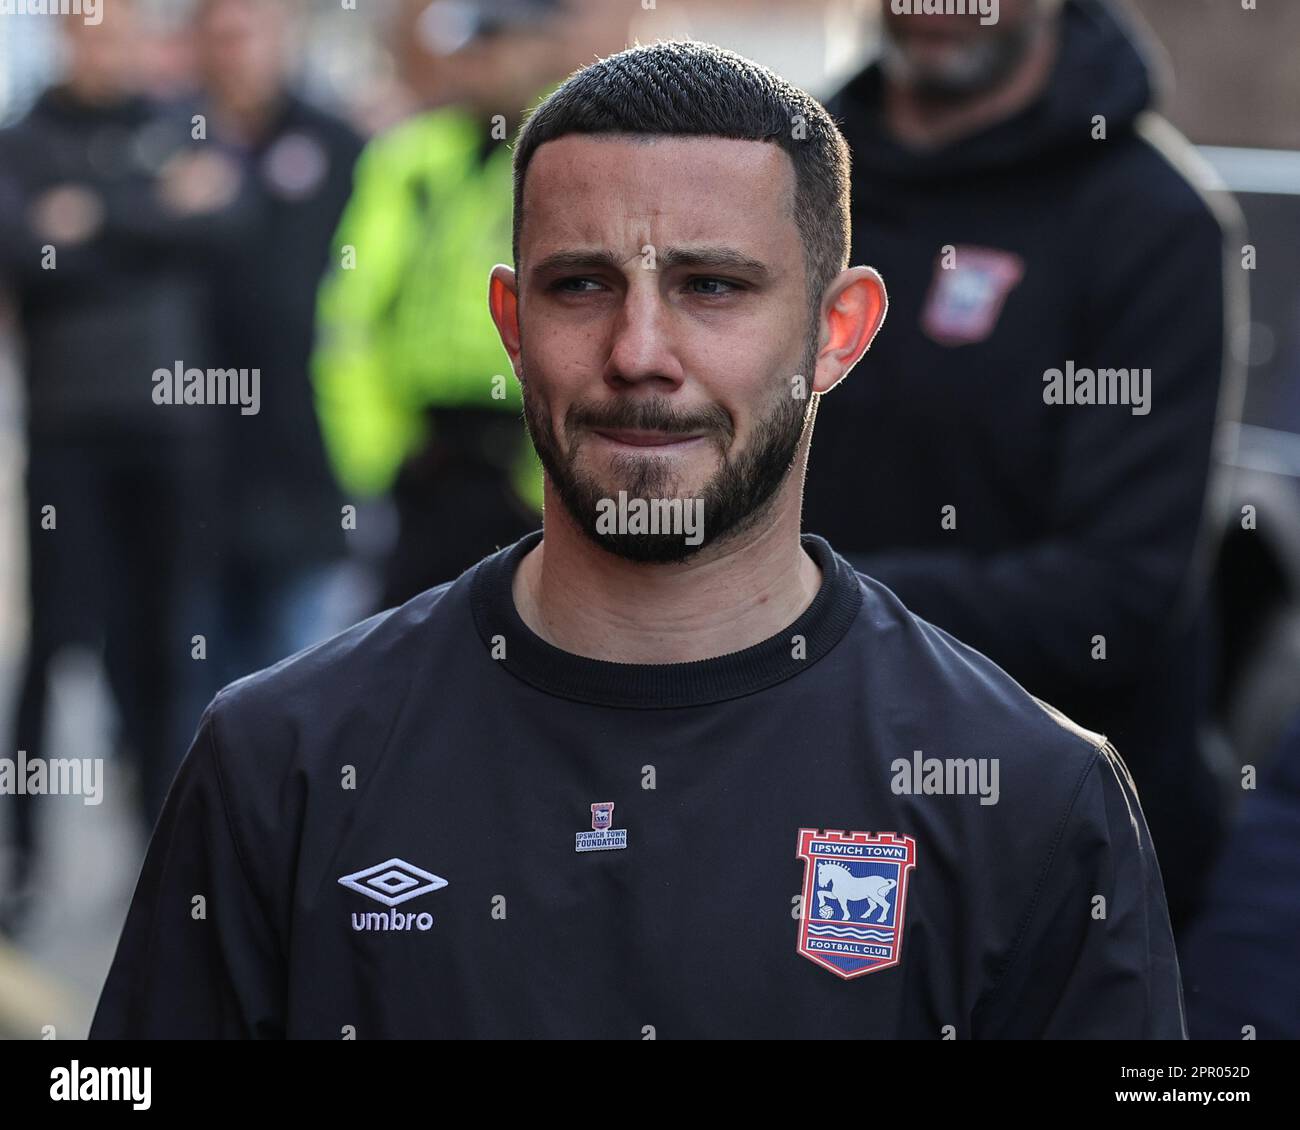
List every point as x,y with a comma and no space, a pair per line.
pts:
647,550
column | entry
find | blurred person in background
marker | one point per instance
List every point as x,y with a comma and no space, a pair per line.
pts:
282,516
1239,969
106,215
413,386
1031,212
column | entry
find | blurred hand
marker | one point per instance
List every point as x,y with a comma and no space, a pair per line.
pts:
66,214
198,183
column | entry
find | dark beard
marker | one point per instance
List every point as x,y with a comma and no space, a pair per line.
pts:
734,499
999,56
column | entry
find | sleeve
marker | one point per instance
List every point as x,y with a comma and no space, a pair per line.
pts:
137,220
135,223
197,958
1095,957
368,430
22,249
1128,507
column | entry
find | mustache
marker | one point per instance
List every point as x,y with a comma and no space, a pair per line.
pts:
652,415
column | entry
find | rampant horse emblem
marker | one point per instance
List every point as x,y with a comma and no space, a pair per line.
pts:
854,895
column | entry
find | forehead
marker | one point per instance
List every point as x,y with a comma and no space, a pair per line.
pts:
609,189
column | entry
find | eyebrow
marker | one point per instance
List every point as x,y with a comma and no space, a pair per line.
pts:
726,258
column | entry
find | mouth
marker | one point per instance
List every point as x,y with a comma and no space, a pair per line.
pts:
661,441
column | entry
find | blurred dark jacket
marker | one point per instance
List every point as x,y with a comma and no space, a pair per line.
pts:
128,299
300,173
1071,521
1240,966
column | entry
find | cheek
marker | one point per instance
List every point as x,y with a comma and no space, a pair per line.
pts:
551,381
751,374
564,355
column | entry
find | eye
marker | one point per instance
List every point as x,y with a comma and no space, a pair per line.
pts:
567,286
709,280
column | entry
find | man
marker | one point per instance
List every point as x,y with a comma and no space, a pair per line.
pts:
285,535
107,218
1037,224
411,392
1240,970
614,782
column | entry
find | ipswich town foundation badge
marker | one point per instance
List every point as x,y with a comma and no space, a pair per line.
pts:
854,896
603,836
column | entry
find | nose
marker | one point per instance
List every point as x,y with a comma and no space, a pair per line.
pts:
642,351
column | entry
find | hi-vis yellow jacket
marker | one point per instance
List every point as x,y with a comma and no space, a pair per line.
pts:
403,320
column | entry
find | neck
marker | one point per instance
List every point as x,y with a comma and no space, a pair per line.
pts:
87,94
589,602
245,121
926,122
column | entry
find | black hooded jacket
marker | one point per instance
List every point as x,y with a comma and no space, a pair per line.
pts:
1047,535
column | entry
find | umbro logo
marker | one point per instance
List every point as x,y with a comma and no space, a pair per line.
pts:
392,882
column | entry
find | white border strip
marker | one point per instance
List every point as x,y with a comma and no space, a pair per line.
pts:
1275,171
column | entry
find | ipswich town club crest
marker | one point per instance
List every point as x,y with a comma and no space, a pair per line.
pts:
968,292
854,896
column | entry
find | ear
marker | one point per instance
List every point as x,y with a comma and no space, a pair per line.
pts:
853,310
503,304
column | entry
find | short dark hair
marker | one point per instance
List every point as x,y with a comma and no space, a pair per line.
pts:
685,88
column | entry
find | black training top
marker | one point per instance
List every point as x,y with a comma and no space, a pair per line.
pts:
438,825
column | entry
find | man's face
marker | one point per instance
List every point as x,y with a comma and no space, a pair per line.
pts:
103,58
240,50
663,322
955,56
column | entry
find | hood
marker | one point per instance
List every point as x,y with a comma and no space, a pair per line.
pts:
1104,65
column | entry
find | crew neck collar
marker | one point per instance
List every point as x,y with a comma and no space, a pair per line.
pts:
663,685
